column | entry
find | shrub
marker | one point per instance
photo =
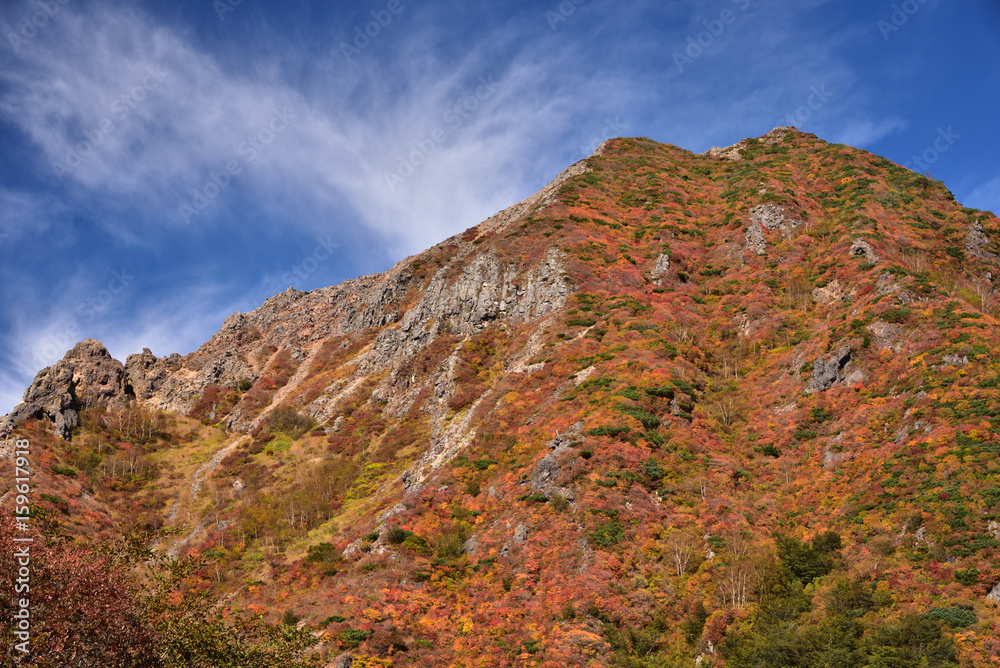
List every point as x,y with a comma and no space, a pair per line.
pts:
648,420
608,534
956,618
663,392
63,470
613,430
323,553
969,578
654,470
288,421
396,535
354,637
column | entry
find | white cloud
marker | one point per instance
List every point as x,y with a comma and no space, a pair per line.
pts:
133,117
864,133
986,197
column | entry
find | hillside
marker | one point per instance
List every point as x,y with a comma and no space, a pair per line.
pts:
741,406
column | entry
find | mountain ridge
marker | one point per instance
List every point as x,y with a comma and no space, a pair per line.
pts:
665,381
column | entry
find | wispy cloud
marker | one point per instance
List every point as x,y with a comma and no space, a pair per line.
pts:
985,197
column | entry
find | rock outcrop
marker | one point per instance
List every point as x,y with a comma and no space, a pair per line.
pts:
862,248
660,269
830,370
87,375
768,217
977,243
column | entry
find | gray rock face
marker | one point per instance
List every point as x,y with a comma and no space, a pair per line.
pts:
887,335
976,243
520,534
829,293
773,217
755,239
862,248
660,269
769,217
86,376
345,660
829,371
543,478
994,595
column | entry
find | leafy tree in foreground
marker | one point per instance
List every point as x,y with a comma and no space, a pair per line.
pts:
123,607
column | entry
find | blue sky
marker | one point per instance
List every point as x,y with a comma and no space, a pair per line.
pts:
166,164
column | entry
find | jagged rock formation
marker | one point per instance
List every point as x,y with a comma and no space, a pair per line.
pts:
977,242
735,152
768,217
86,375
831,370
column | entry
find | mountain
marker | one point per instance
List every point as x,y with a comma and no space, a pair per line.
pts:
740,407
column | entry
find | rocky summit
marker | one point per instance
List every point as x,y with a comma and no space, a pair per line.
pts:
732,409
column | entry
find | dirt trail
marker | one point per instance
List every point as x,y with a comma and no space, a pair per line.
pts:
197,480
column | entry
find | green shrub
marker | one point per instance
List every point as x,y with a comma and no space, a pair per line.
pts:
768,450
648,420
969,578
663,392
63,470
608,534
354,637
397,535
609,430
956,618
654,470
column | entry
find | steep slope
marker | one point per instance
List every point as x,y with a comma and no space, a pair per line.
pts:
621,423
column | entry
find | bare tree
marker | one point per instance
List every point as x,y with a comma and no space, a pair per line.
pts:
681,547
